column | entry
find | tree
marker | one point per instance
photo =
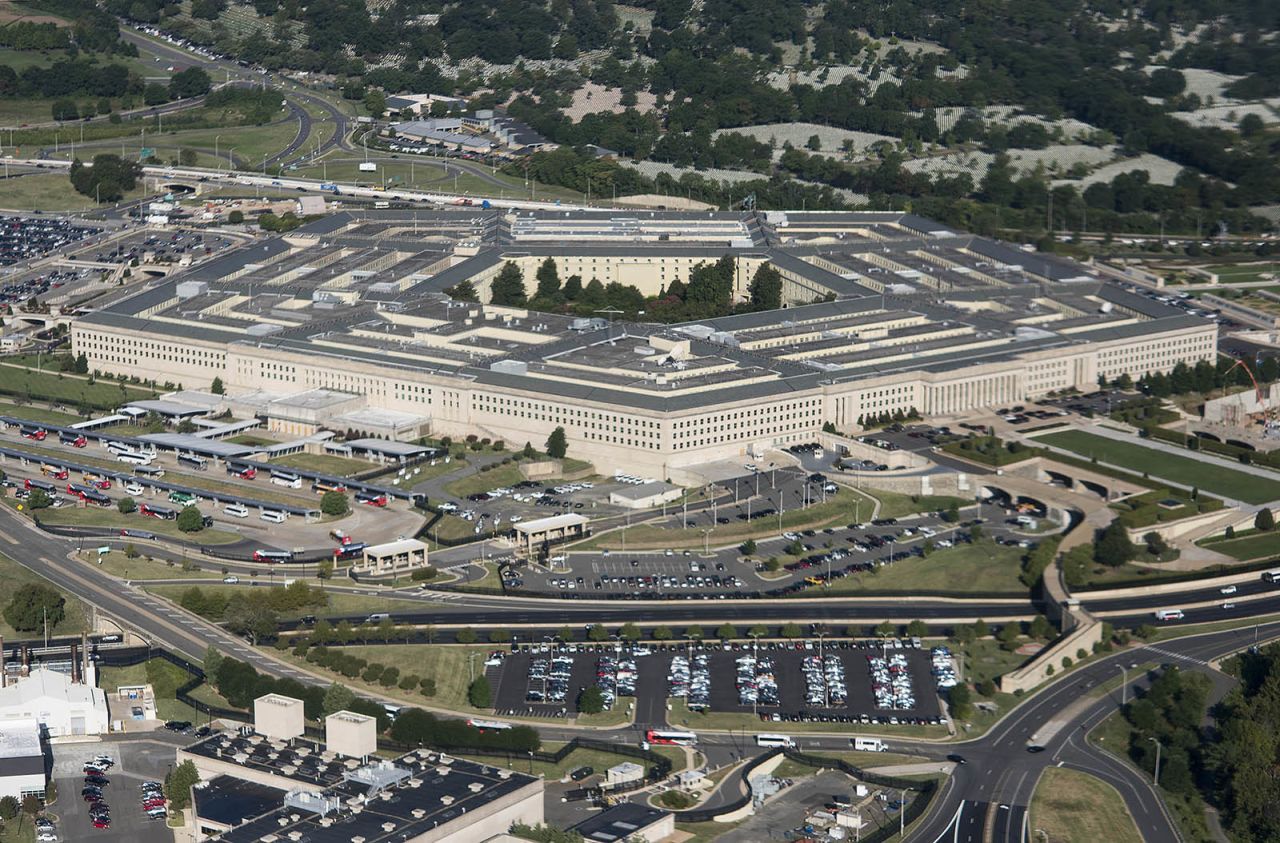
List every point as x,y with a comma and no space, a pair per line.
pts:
886,628
629,632
1040,627
597,632
334,503
1264,520
108,179
337,698
126,505
548,280
1112,547
693,632
253,619
178,784
765,289
961,701
479,694
9,807
917,629
1008,636
82,364
39,499
375,102
952,513
790,630
65,109
663,633
748,547
217,387
187,157
466,635
34,604
590,700
235,217
190,520
507,288
557,444
463,291
727,631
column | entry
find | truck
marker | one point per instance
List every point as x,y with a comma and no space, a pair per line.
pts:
330,187
870,745
368,167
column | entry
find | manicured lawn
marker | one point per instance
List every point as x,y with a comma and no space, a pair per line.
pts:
65,389
327,463
864,760
1189,472
447,664
897,505
167,705
986,659
451,527
1075,807
339,605
1251,547
37,414
46,192
15,575
505,475
117,564
601,761
982,567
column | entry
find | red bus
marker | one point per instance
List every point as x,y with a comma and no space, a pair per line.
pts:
656,736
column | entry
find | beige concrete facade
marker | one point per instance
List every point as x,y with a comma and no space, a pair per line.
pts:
278,717
350,734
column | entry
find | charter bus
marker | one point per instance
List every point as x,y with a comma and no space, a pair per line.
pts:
97,481
88,494
244,472
162,512
488,725
323,486
193,461
1271,576
349,551
371,498
75,440
116,447
656,736
135,457
53,471
286,478
272,556
149,472
36,433
774,740
43,485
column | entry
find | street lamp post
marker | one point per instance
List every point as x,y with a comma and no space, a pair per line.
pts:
1124,685
1156,775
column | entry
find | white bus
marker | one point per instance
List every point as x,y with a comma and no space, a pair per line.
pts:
287,479
774,740
1271,576
193,461
488,725
135,457
656,736
1169,615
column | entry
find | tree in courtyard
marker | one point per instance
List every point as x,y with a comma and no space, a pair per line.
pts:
548,278
765,289
508,287
34,604
557,444
1112,547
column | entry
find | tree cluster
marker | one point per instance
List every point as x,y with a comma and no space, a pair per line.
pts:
107,179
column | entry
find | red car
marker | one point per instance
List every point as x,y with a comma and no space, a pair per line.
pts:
97,823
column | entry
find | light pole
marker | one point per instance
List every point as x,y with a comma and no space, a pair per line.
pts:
216,138
1156,775
1124,685
231,159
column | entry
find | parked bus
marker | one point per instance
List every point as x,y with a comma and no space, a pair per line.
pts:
154,511
371,498
193,461
97,481
244,472
349,551
43,485
184,498
149,472
322,486
75,440
339,536
774,740
488,725
286,478
665,738
272,556
1169,615
36,433
1271,576
88,494
135,457
53,471
116,447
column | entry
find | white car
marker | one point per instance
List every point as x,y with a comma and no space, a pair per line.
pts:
1227,589
231,580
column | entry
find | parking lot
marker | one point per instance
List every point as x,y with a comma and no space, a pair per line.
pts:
136,760
782,683
26,238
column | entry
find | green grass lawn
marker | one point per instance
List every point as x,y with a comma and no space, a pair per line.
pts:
897,505
1251,547
1212,477
504,475
67,389
172,677
117,564
109,516
46,192
251,439
247,143
37,414
986,659
982,567
327,463
339,605
1075,807
74,622
450,528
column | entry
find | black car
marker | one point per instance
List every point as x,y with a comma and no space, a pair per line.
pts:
97,780
1035,748
581,773
956,759
177,725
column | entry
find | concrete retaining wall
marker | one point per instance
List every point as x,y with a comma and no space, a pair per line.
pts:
1087,633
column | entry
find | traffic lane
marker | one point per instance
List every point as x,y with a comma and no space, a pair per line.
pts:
1010,824
1199,614
1144,804
1193,594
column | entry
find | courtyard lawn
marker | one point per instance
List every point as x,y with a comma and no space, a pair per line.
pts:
1075,807
985,567
1187,471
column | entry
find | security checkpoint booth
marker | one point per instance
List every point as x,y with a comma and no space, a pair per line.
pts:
534,538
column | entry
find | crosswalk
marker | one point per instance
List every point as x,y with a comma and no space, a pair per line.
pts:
1173,655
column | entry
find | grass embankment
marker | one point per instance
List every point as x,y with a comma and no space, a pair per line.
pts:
66,389
14,575
1113,735
982,567
1210,476
898,505
37,414
109,516
1075,807
164,678
789,769
44,191
1247,548
117,564
338,605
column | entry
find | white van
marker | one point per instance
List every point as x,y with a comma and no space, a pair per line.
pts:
273,515
236,510
870,745
1169,615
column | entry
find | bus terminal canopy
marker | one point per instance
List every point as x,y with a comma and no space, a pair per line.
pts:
530,534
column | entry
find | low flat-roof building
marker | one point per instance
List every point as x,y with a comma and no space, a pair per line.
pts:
62,703
23,762
627,821
645,495
392,558
533,536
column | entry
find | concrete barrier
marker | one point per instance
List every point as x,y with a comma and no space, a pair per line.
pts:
1087,632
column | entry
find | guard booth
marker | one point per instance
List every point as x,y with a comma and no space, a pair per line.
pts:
395,557
534,537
